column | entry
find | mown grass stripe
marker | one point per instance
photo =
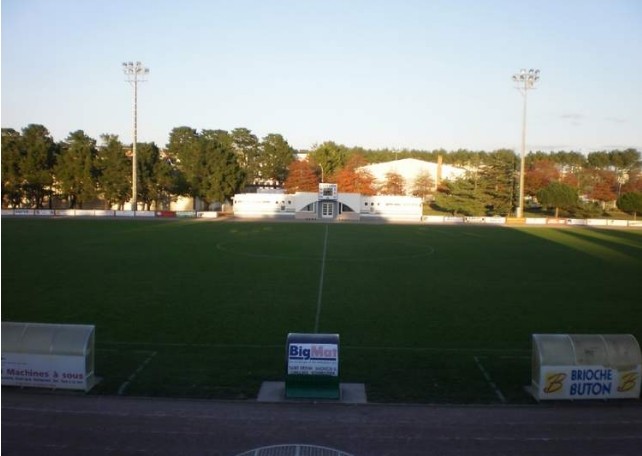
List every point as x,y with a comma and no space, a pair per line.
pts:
321,277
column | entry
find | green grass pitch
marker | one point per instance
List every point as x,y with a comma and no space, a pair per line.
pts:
439,314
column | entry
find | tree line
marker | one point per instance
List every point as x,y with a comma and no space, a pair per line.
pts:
213,165
582,185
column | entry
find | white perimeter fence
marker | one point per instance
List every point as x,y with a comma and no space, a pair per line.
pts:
108,213
437,219
531,221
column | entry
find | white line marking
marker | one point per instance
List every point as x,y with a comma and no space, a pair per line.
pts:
435,349
124,386
117,350
489,380
399,348
325,249
185,344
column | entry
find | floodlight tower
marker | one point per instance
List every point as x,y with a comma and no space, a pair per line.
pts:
135,73
525,81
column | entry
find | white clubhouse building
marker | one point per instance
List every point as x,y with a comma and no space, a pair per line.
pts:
330,204
327,204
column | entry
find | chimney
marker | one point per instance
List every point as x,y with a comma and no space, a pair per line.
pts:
440,160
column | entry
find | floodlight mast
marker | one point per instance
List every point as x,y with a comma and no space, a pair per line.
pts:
135,73
525,81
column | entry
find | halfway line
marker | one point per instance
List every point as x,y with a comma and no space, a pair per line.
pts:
320,294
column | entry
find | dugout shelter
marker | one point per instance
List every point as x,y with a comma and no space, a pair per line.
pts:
48,355
586,366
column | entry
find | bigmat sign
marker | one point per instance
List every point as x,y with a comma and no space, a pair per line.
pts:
313,359
312,366
589,382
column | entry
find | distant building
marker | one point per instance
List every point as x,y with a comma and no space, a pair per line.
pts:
411,168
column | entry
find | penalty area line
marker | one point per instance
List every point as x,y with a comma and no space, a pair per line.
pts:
131,378
489,380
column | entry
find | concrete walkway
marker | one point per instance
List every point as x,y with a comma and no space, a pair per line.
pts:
35,423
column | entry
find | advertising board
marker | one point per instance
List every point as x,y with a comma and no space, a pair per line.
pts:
313,359
45,371
493,220
145,214
125,213
103,213
312,366
207,214
589,382
166,214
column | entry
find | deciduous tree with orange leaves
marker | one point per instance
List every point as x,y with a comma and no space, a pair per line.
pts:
603,186
393,185
539,174
352,179
302,177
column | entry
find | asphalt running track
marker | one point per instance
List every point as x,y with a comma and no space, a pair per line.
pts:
44,423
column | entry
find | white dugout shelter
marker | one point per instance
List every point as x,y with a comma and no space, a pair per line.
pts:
48,355
586,366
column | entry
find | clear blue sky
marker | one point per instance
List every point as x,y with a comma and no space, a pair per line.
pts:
397,73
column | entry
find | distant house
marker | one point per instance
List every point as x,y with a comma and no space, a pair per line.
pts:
411,168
